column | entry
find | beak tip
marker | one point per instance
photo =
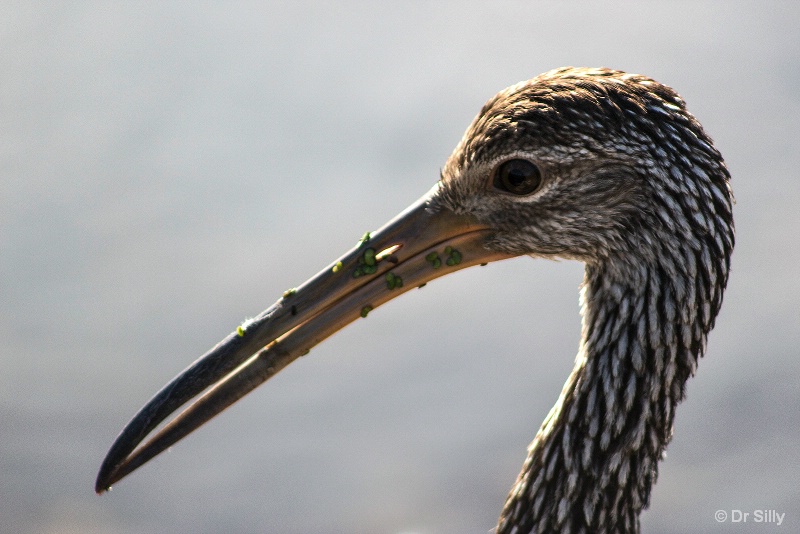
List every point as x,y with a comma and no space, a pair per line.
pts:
104,481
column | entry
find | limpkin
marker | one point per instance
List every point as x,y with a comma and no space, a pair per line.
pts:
591,164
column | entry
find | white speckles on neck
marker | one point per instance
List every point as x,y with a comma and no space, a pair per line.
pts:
633,187
599,446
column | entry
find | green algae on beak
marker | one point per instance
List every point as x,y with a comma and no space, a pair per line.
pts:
364,239
289,292
453,256
393,281
367,263
415,245
433,259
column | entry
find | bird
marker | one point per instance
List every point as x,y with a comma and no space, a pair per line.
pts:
597,165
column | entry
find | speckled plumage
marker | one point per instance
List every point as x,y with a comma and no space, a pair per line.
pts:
634,188
590,164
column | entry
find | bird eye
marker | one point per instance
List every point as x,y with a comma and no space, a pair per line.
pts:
517,176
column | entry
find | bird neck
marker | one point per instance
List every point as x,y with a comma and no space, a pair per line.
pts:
593,462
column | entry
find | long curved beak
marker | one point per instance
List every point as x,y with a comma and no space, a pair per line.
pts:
424,242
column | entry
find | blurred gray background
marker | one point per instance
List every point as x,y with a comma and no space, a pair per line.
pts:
169,170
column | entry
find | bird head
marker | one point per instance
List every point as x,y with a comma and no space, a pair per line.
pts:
589,164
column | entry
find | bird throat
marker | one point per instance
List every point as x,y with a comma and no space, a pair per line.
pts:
593,462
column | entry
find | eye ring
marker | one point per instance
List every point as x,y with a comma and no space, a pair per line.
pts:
517,176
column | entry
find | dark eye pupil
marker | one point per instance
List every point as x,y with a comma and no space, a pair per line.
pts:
518,176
